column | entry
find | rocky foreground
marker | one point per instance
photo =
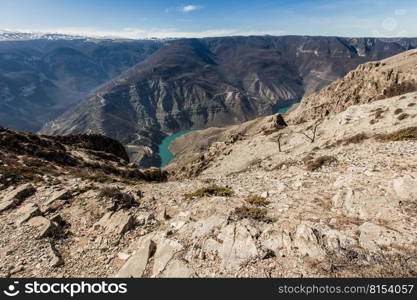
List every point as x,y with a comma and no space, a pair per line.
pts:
328,197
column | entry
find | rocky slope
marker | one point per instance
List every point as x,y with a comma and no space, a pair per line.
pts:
343,205
369,82
43,77
198,83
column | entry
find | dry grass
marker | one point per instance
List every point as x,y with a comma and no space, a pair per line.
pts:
85,189
346,220
354,263
257,200
254,213
325,203
94,176
398,111
408,134
119,199
403,116
314,165
356,139
210,191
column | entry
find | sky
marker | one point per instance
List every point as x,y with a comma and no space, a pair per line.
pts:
205,18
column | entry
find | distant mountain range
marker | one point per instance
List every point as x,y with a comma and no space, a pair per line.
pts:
139,91
198,83
10,35
42,78
7,35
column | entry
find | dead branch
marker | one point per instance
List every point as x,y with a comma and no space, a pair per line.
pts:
279,142
313,138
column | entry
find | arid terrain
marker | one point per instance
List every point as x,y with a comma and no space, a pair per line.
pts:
327,190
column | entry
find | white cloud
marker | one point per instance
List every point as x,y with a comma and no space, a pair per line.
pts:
136,33
190,8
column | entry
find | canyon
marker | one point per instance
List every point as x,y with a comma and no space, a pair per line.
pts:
327,189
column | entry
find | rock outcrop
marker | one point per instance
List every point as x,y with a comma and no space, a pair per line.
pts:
369,82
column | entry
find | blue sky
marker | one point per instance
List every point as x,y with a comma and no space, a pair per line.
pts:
198,18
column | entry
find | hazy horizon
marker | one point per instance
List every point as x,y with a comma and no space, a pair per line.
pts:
178,19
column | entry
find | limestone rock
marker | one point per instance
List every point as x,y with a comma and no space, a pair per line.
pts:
56,258
165,251
161,216
45,227
56,200
265,195
307,242
136,264
405,187
115,223
237,247
276,240
369,82
123,256
26,212
203,227
17,196
178,269
372,236
335,241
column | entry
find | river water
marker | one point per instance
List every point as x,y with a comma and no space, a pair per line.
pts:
166,155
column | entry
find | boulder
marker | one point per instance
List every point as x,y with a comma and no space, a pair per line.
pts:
237,247
26,212
372,236
279,121
358,203
307,242
136,265
56,258
45,227
16,196
178,269
272,239
115,223
204,227
165,251
336,240
405,187
56,200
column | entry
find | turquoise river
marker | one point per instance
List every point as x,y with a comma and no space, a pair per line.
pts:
166,155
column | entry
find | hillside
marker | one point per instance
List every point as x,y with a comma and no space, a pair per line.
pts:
200,83
248,206
369,82
41,78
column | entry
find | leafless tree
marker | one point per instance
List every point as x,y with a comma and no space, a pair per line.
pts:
279,141
314,131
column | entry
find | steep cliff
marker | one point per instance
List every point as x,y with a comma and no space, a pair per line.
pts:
369,82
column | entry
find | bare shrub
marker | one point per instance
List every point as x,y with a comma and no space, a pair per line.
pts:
119,199
314,165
